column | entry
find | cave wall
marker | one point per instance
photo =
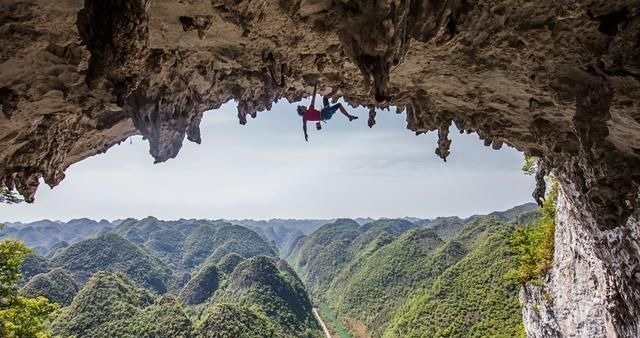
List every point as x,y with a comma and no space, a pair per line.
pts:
559,80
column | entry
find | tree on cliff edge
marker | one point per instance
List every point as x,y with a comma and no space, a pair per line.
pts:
20,317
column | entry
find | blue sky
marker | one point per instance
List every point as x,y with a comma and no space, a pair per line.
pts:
265,170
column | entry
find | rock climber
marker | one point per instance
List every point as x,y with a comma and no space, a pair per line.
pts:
312,114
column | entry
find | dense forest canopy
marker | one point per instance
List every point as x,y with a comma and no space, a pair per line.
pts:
447,277
151,278
442,277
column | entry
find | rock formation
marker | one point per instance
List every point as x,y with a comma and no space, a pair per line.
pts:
559,80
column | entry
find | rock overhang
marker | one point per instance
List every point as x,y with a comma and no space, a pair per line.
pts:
81,76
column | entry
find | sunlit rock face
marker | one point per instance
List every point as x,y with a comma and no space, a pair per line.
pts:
556,79
593,289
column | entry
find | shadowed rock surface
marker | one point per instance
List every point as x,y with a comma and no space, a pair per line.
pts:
556,79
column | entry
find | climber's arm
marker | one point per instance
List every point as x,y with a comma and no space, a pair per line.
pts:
304,128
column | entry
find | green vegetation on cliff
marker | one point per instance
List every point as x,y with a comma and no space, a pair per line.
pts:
534,243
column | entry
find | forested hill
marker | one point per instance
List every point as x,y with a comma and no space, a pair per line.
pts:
151,278
48,236
441,278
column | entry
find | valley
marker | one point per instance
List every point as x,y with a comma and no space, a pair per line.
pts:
342,278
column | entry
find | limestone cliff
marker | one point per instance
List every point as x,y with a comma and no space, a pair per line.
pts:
591,290
556,79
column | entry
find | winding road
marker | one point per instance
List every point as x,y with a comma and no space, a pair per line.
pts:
324,327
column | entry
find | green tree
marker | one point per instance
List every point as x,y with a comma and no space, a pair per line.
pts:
20,317
530,165
12,254
533,244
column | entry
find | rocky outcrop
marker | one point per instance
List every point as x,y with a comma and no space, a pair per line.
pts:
555,79
593,288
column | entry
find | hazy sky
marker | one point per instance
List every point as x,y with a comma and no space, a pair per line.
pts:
265,169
